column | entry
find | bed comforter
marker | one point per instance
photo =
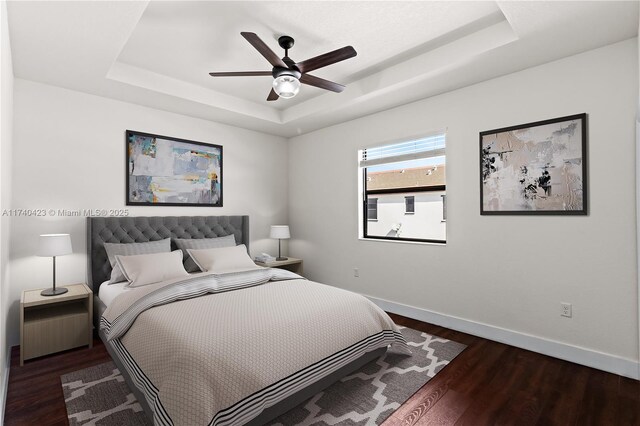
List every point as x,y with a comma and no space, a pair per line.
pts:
219,349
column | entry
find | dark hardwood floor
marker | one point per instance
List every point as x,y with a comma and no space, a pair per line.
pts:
495,384
35,394
488,384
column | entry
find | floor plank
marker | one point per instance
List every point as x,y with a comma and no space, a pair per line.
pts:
488,384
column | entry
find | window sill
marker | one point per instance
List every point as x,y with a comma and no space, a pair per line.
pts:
409,213
403,241
372,220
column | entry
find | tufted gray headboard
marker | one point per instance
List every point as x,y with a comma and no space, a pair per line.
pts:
140,229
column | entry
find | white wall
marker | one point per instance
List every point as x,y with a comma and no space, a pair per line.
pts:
69,153
6,135
508,272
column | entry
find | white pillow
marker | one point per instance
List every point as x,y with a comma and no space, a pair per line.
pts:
222,260
146,269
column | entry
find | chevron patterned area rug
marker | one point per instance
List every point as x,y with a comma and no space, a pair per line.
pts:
99,395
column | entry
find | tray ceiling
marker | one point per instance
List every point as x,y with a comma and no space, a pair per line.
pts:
159,54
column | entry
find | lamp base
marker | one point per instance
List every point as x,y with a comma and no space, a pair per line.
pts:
282,258
54,291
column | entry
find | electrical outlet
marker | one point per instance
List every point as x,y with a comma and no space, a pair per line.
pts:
565,309
356,272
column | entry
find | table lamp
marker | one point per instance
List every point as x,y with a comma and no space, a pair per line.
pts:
281,232
52,245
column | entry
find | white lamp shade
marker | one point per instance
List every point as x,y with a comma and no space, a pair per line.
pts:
51,245
280,232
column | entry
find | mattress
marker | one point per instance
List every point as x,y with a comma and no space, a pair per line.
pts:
108,292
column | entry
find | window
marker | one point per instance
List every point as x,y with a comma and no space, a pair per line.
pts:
404,190
372,209
409,204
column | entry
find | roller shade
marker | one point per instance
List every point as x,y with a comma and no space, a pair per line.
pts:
427,147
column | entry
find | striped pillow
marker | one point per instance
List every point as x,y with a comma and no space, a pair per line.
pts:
200,244
131,249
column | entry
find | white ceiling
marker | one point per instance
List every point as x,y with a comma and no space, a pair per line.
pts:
159,53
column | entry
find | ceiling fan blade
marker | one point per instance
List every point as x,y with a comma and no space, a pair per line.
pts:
239,73
273,96
326,59
264,50
321,83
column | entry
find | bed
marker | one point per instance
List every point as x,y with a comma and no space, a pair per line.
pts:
232,348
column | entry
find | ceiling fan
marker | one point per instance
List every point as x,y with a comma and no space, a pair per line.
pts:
287,74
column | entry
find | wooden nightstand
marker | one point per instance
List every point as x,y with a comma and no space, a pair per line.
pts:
51,324
291,264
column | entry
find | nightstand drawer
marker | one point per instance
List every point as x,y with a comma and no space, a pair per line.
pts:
55,330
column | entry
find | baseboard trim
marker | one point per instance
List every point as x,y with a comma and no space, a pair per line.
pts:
590,358
5,385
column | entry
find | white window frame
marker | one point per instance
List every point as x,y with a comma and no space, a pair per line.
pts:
362,182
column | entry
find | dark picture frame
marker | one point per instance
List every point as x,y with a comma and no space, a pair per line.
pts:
169,171
537,168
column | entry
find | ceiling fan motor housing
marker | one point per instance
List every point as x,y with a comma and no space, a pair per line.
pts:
279,71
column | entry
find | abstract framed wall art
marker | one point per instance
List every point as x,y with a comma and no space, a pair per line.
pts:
167,171
535,168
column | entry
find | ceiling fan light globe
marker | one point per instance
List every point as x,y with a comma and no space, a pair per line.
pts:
286,86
